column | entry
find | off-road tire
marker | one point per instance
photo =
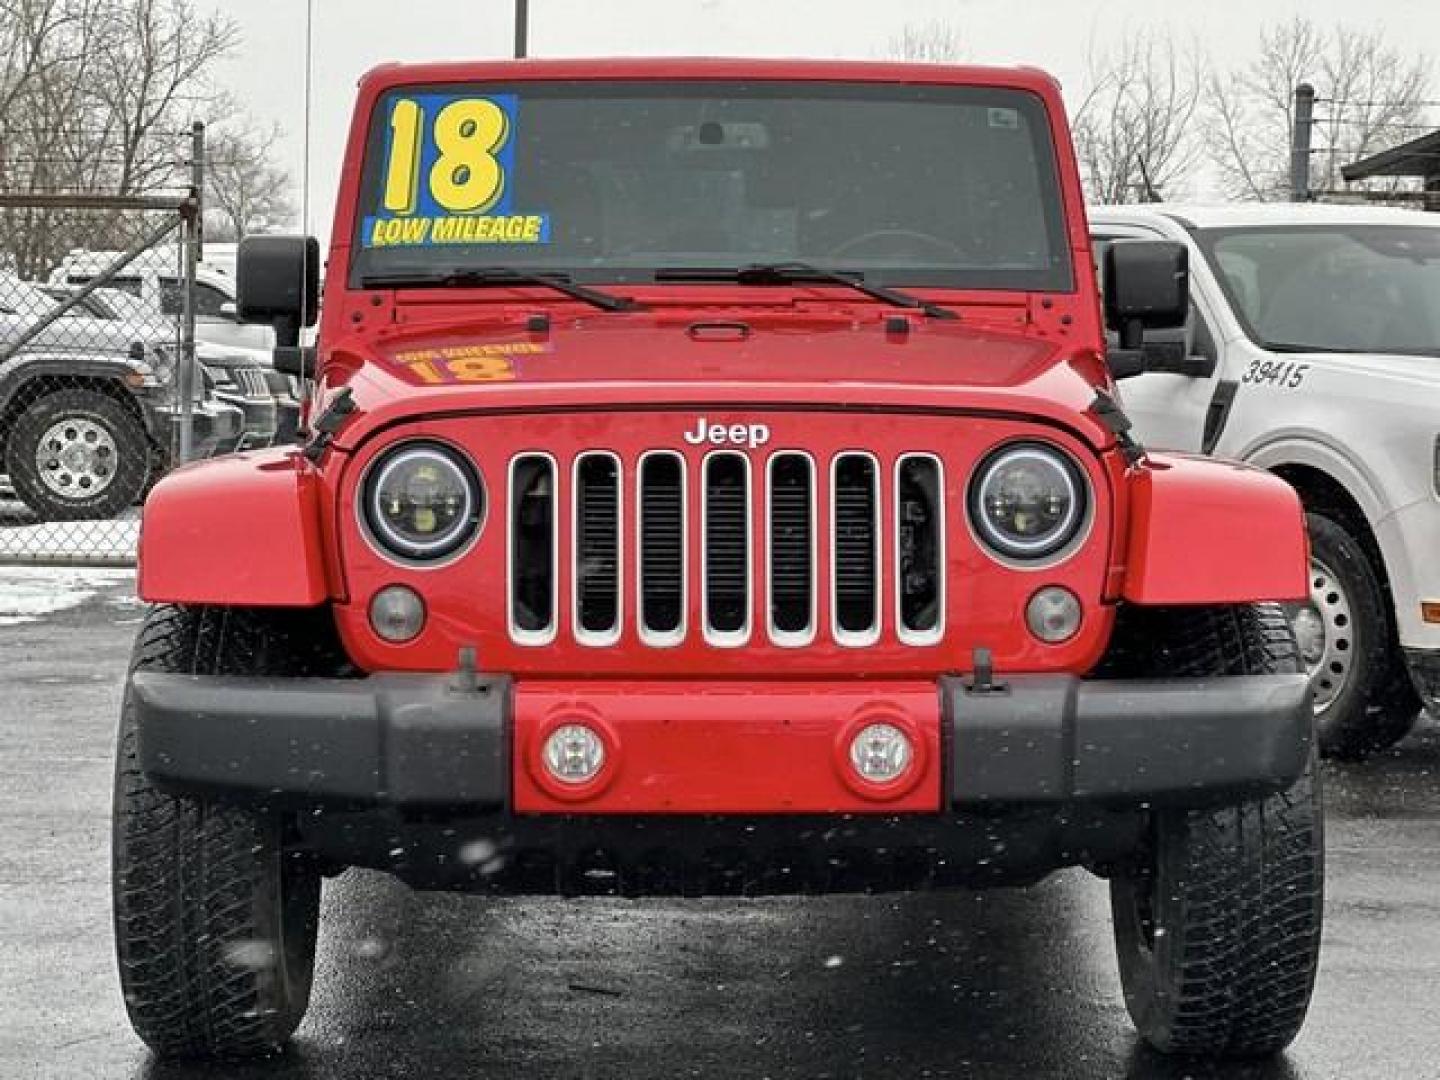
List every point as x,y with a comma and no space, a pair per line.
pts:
1378,705
1217,925
216,913
132,455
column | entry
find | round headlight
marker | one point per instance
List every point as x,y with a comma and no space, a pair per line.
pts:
422,502
1027,501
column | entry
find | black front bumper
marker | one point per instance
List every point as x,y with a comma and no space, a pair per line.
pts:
409,774
415,741
214,429
259,424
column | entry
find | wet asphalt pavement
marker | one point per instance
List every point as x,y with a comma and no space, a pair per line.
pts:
1014,983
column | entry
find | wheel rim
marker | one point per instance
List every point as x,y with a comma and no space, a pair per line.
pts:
1325,631
76,458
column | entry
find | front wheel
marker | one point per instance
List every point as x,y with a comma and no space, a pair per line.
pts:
1217,921
216,911
77,455
1218,930
1364,699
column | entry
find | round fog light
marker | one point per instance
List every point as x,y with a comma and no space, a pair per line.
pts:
881,753
1053,615
574,754
397,614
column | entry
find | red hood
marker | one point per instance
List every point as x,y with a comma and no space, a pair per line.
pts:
828,360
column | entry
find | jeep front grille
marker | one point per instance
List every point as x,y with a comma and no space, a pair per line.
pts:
805,540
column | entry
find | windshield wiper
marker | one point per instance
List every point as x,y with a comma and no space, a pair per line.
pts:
792,273
482,277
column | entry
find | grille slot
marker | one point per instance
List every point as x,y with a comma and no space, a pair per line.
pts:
597,548
662,548
727,548
855,520
920,549
534,571
252,383
792,549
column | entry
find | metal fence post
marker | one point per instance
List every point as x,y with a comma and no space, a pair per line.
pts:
193,251
1300,144
522,29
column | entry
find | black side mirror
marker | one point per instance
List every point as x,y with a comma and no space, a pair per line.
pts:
278,284
1147,287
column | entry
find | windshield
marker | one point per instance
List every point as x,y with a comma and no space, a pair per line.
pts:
917,185
1333,288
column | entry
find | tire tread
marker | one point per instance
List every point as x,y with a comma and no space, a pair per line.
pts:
193,878
1245,906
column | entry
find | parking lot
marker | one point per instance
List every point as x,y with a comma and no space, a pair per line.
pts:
1009,983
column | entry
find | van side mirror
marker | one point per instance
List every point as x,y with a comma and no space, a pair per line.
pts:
278,284
1147,287
1173,352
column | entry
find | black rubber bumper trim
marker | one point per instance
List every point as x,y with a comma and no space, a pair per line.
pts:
1048,738
406,740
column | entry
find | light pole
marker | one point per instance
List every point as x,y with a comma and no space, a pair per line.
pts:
522,28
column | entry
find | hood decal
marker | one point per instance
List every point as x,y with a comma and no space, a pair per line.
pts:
477,363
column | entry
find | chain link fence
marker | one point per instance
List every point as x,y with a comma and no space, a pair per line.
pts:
120,359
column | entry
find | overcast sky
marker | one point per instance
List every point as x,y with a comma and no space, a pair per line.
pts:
352,36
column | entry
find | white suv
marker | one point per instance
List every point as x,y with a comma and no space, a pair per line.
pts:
1313,351
154,278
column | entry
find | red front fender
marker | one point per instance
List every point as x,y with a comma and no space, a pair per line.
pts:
1213,532
241,530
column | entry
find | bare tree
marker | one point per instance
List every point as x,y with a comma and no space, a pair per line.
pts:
1370,95
152,60
936,42
97,96
1134,128
246,191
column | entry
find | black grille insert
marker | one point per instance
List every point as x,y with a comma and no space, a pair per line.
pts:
856,555
792,543
918,540
727,543
532,545
597,544
662,543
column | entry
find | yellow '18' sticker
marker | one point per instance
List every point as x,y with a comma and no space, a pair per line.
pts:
447,176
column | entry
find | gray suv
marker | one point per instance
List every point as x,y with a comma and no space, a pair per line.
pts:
86,416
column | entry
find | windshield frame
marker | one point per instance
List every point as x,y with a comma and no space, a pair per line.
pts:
1207,237
1059,278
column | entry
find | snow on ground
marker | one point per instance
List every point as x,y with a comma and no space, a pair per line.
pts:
30,593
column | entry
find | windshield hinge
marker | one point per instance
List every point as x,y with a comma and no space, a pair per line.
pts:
340,408
1107,410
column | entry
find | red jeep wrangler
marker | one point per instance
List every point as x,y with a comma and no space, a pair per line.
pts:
713,485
